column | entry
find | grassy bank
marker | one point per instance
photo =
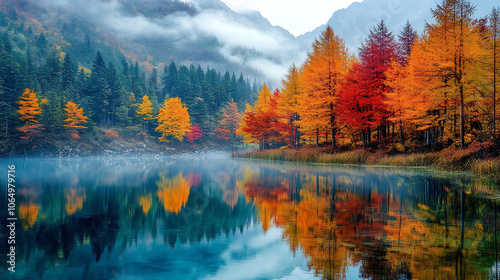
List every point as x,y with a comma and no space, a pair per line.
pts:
475,159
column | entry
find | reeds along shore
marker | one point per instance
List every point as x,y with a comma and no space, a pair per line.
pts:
471,160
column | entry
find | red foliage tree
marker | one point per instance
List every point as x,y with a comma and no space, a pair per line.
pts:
194,134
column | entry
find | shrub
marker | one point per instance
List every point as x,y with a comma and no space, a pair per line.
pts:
110,134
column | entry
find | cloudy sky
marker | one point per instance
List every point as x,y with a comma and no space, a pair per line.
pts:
297,16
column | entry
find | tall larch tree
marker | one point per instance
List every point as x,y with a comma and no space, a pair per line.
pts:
322,74
449,70
377,54
288,104
398,95
173,120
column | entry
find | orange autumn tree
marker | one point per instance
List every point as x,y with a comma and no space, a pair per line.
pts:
28,214
402,99
451,68
173,192
29,109
261,124
173,120
75,118
322,74
228,125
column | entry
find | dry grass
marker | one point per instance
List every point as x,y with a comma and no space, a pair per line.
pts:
487,167
448,159
350,157
407,160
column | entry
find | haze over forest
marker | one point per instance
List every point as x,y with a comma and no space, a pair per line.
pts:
207,32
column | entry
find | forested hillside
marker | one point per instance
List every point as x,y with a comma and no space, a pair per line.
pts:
69,83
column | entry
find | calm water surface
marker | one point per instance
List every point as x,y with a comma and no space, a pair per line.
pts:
213,217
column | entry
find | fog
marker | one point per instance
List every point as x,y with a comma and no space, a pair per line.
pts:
240,42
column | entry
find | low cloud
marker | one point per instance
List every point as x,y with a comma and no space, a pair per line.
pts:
246,42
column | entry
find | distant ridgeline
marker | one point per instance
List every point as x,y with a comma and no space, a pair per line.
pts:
70,65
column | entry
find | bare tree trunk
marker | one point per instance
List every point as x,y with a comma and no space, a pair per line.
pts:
462,125
317,137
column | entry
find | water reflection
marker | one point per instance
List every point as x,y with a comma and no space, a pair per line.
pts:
212,217
389,226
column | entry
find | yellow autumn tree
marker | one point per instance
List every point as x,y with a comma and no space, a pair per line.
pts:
450,72
29,109
145,110
288,104
75,118
173,120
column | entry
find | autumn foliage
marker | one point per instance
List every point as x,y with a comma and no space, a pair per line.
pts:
75,116
195,133
228,125
110,134
423,92
145,110
173,120
29,109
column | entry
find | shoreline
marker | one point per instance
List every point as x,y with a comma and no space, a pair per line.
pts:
451,160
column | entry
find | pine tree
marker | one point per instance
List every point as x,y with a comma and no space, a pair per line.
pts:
448,69
68,73
41,42
115,91
170,81
99,91
8,87
406,39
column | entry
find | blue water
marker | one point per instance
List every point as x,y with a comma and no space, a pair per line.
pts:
213,217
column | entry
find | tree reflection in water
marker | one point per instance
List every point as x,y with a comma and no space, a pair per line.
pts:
398,226
380,223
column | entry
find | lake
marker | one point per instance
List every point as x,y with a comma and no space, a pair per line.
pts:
213,217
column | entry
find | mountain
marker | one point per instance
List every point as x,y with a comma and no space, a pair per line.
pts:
353,23
205,32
